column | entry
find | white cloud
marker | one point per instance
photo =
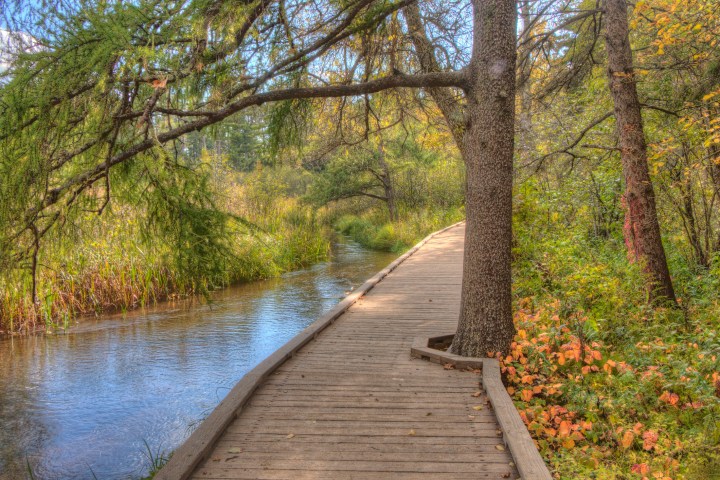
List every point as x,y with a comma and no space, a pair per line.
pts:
11,43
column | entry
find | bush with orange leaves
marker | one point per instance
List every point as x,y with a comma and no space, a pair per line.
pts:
644,409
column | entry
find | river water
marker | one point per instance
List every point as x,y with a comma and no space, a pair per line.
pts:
93,402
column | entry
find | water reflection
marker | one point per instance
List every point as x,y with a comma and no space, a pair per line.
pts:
82,405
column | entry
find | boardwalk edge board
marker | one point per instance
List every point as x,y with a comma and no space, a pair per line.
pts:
525,454
200,443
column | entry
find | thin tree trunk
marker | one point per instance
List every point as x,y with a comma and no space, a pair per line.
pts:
486,323
713,170
642,232
689,214
387,183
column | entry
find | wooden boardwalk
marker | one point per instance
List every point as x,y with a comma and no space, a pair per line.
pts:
353,404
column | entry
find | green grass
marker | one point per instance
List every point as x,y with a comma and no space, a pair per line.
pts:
373,230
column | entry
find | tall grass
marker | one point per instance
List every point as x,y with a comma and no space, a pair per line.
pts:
108,265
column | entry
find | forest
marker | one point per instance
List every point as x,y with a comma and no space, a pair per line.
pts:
160,149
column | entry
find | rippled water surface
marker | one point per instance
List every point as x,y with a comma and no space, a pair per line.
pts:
89,403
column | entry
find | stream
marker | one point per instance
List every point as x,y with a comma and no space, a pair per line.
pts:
114,392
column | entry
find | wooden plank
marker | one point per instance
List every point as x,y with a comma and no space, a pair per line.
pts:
527,458
363,466
284,455
488,443
475,450
264,474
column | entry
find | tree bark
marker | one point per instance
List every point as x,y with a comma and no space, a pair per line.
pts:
642,230
486,324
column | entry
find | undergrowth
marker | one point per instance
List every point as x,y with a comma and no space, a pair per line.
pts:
609,387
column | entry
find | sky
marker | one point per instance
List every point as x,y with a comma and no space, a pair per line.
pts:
11,43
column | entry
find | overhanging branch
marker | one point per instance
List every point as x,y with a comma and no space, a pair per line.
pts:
436,79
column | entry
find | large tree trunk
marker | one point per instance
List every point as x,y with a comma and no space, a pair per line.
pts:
642,231
486,323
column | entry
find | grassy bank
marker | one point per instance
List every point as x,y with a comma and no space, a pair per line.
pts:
373,230
113,264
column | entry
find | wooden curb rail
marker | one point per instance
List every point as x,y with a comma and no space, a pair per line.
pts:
525,454
200,443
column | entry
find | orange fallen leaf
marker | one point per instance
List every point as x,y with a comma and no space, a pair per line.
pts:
564,429
650,438
641,468
627,439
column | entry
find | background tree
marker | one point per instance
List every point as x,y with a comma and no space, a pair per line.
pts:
642,230
364,171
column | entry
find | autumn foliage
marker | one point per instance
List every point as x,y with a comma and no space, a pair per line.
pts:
598,411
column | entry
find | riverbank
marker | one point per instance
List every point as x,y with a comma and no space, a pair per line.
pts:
108,267
373,230
118,381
